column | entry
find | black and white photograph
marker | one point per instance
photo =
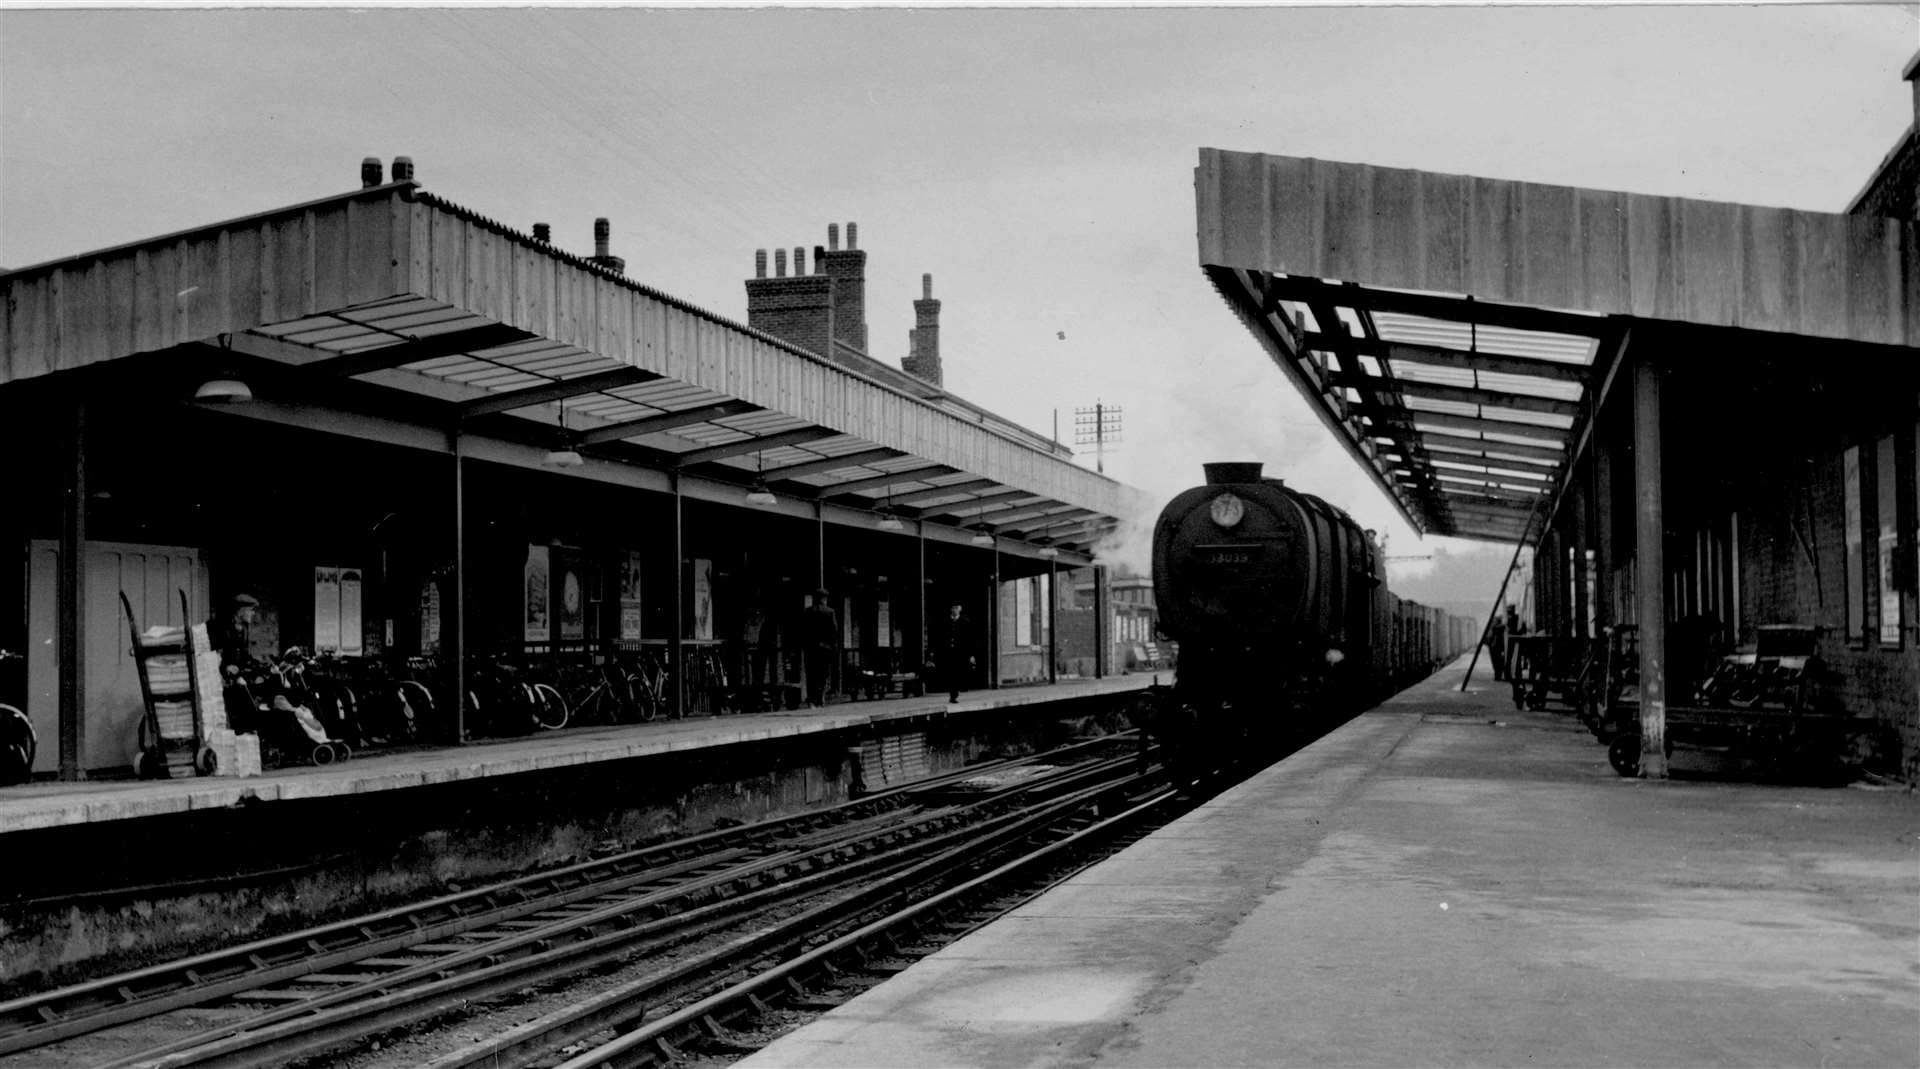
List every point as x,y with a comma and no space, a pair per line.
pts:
1174,535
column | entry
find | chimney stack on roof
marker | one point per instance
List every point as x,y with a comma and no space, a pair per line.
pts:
402,168
602,236
923,341
370,172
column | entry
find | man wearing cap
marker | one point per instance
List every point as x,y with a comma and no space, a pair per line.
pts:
820,635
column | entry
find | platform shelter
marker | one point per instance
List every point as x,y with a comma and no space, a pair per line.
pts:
1699,417
465,440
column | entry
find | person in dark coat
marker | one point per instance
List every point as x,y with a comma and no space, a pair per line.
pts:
953,658
1497,647
820,635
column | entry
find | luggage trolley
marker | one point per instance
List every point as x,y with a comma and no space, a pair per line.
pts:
1553,668
1758,704
173,735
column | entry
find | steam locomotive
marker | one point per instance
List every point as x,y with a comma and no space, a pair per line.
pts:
1280,606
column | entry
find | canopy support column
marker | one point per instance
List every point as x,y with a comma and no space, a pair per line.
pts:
1650,569
69,651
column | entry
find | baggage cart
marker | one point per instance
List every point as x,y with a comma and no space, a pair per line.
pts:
173,734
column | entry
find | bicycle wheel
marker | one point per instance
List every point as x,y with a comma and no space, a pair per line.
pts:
646,700
549,709
413,707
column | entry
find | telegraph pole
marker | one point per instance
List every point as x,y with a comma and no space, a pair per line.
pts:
1097,426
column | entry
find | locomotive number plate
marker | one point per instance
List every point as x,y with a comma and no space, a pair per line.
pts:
1227,556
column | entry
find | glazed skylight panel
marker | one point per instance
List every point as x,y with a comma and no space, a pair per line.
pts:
1503,341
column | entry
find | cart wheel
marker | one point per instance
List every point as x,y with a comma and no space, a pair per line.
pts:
322,754
341,751
206,762
144,765
1624,754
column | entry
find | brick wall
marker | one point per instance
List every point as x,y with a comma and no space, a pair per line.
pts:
798,310
1793,560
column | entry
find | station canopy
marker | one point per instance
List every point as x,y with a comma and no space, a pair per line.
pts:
1456,333
527,350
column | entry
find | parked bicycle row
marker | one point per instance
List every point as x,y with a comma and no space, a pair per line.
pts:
317,709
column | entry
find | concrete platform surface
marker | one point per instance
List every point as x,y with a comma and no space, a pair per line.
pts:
52,804
1443,882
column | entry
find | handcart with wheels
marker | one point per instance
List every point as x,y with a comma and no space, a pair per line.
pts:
1559,668
1757,705
173,730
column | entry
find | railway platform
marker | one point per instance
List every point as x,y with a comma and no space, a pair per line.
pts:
51,804
1443,881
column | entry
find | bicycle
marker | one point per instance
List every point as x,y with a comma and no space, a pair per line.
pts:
647,685
18,741
598,693
499,696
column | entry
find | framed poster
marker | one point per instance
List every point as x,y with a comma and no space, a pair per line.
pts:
326,610
429,617
352,639
573,602
702,600
630,598
537,597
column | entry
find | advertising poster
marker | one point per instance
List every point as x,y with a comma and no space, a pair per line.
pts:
882,623
326,610
538,597
1022,613
573,603
429,617
702,600
630,599
351,637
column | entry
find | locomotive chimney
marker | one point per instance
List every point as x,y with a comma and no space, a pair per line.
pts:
1237,471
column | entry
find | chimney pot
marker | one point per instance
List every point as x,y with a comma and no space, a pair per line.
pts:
403,168
833,236
853,236
799,261
759,263
926,287
543,233
779,263
819,259
602,233
370,172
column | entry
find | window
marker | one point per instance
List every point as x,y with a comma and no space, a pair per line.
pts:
1855,566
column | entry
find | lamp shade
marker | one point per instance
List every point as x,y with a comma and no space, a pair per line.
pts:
223,392
890,522
563,458
760,496
982,537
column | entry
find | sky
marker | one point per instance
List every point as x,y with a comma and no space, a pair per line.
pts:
1038,162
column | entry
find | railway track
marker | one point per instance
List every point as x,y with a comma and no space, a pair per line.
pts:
293,995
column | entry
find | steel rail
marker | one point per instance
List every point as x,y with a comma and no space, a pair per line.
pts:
622,1007
570,946
47,1017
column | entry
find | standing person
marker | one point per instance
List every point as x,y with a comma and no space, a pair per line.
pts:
1497,647
820,631
953,651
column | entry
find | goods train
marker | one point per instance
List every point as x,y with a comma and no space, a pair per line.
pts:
1280,606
